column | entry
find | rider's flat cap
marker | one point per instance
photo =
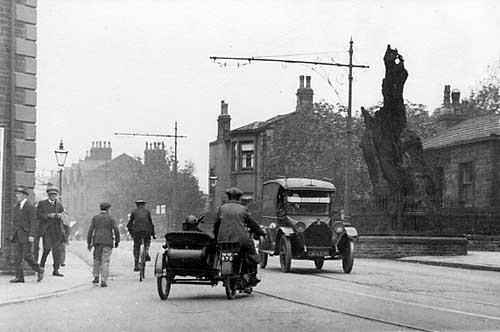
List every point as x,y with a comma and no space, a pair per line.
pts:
104,206
233,191
22,189
140,201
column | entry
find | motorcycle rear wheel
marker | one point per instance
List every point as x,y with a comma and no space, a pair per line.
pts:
230,286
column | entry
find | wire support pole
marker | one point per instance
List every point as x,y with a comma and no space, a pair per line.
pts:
348,167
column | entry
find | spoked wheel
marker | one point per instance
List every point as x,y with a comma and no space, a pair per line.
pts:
285,254
263,260
230,285
348,257
142,264
163,284
318,262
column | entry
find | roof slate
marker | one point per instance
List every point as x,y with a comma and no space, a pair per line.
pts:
477,128
258,125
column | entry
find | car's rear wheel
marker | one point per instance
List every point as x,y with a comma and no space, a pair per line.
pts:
263,260
318,262
348,257
285,254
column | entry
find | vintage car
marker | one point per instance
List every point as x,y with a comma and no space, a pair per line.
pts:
297,215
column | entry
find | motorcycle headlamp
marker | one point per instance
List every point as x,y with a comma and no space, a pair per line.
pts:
338,227
272,225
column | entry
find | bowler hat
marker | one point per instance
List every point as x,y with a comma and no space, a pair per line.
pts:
140,201
104,206
22,189
52,190
234,192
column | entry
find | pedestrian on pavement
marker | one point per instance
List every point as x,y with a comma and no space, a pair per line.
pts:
100,236
51,228
140,226
23,237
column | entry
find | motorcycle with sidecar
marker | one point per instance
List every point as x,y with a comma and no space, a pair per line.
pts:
193,257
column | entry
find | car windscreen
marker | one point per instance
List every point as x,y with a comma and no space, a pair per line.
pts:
308,203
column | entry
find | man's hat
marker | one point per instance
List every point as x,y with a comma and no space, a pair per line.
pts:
140,201
22,189
52,190
234,192
104,206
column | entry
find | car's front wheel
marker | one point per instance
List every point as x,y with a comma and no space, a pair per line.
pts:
285,254
348,257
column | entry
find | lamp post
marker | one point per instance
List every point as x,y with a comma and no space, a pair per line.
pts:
61,155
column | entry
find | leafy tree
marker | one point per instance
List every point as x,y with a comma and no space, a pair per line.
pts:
486,99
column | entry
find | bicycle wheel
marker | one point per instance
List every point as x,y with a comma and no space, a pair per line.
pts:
142,263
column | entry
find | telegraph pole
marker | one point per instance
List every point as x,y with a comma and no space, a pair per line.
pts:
348,131
174,168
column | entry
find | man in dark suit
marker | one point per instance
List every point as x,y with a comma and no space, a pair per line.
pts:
25,230
51,229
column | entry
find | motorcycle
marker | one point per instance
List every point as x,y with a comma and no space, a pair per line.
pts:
193,257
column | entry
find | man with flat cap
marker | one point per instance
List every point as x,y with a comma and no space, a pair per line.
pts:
103,232
233,224
23,237
140,226
49,213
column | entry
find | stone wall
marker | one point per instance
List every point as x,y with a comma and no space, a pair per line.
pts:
403,246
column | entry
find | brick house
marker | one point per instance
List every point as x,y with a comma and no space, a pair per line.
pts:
18,53
238,156
466,155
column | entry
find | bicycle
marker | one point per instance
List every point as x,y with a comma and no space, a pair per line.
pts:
142,261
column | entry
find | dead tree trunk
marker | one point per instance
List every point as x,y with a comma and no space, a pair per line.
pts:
392,152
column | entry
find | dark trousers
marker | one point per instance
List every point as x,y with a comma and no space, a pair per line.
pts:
36,247
56,256
138,238
23,251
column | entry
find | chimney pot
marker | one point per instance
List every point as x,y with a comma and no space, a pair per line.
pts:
308,81
446,95
223,108
455,97
301,80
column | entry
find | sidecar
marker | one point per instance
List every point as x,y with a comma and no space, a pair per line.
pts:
188,258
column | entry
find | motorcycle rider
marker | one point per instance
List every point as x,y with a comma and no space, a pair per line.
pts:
140,226
232,225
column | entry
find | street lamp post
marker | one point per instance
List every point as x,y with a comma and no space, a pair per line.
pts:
61,155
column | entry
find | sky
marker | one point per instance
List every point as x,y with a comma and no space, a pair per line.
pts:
107,66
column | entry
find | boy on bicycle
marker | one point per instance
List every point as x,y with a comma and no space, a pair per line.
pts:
141,228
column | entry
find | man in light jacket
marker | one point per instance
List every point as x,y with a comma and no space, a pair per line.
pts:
100,236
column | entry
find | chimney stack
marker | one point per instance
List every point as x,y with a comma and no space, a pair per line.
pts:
224,122
455,97
304,95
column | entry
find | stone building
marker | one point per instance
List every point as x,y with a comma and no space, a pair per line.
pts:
466,155
238,156
18,34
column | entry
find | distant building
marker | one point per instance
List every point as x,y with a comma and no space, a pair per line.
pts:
18,69
238,157
466,155
98,177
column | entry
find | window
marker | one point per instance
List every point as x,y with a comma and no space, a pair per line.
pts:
466,181
247,156
234,164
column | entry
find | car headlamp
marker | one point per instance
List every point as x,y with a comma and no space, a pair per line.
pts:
338,227
300,227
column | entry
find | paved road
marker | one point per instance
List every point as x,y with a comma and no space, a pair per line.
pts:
379,295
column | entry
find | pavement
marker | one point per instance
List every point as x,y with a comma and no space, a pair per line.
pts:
78,274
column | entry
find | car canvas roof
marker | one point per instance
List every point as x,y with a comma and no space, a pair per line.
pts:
303,184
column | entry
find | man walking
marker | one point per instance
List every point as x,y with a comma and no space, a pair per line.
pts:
100,236
141,227
51,228
23,237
